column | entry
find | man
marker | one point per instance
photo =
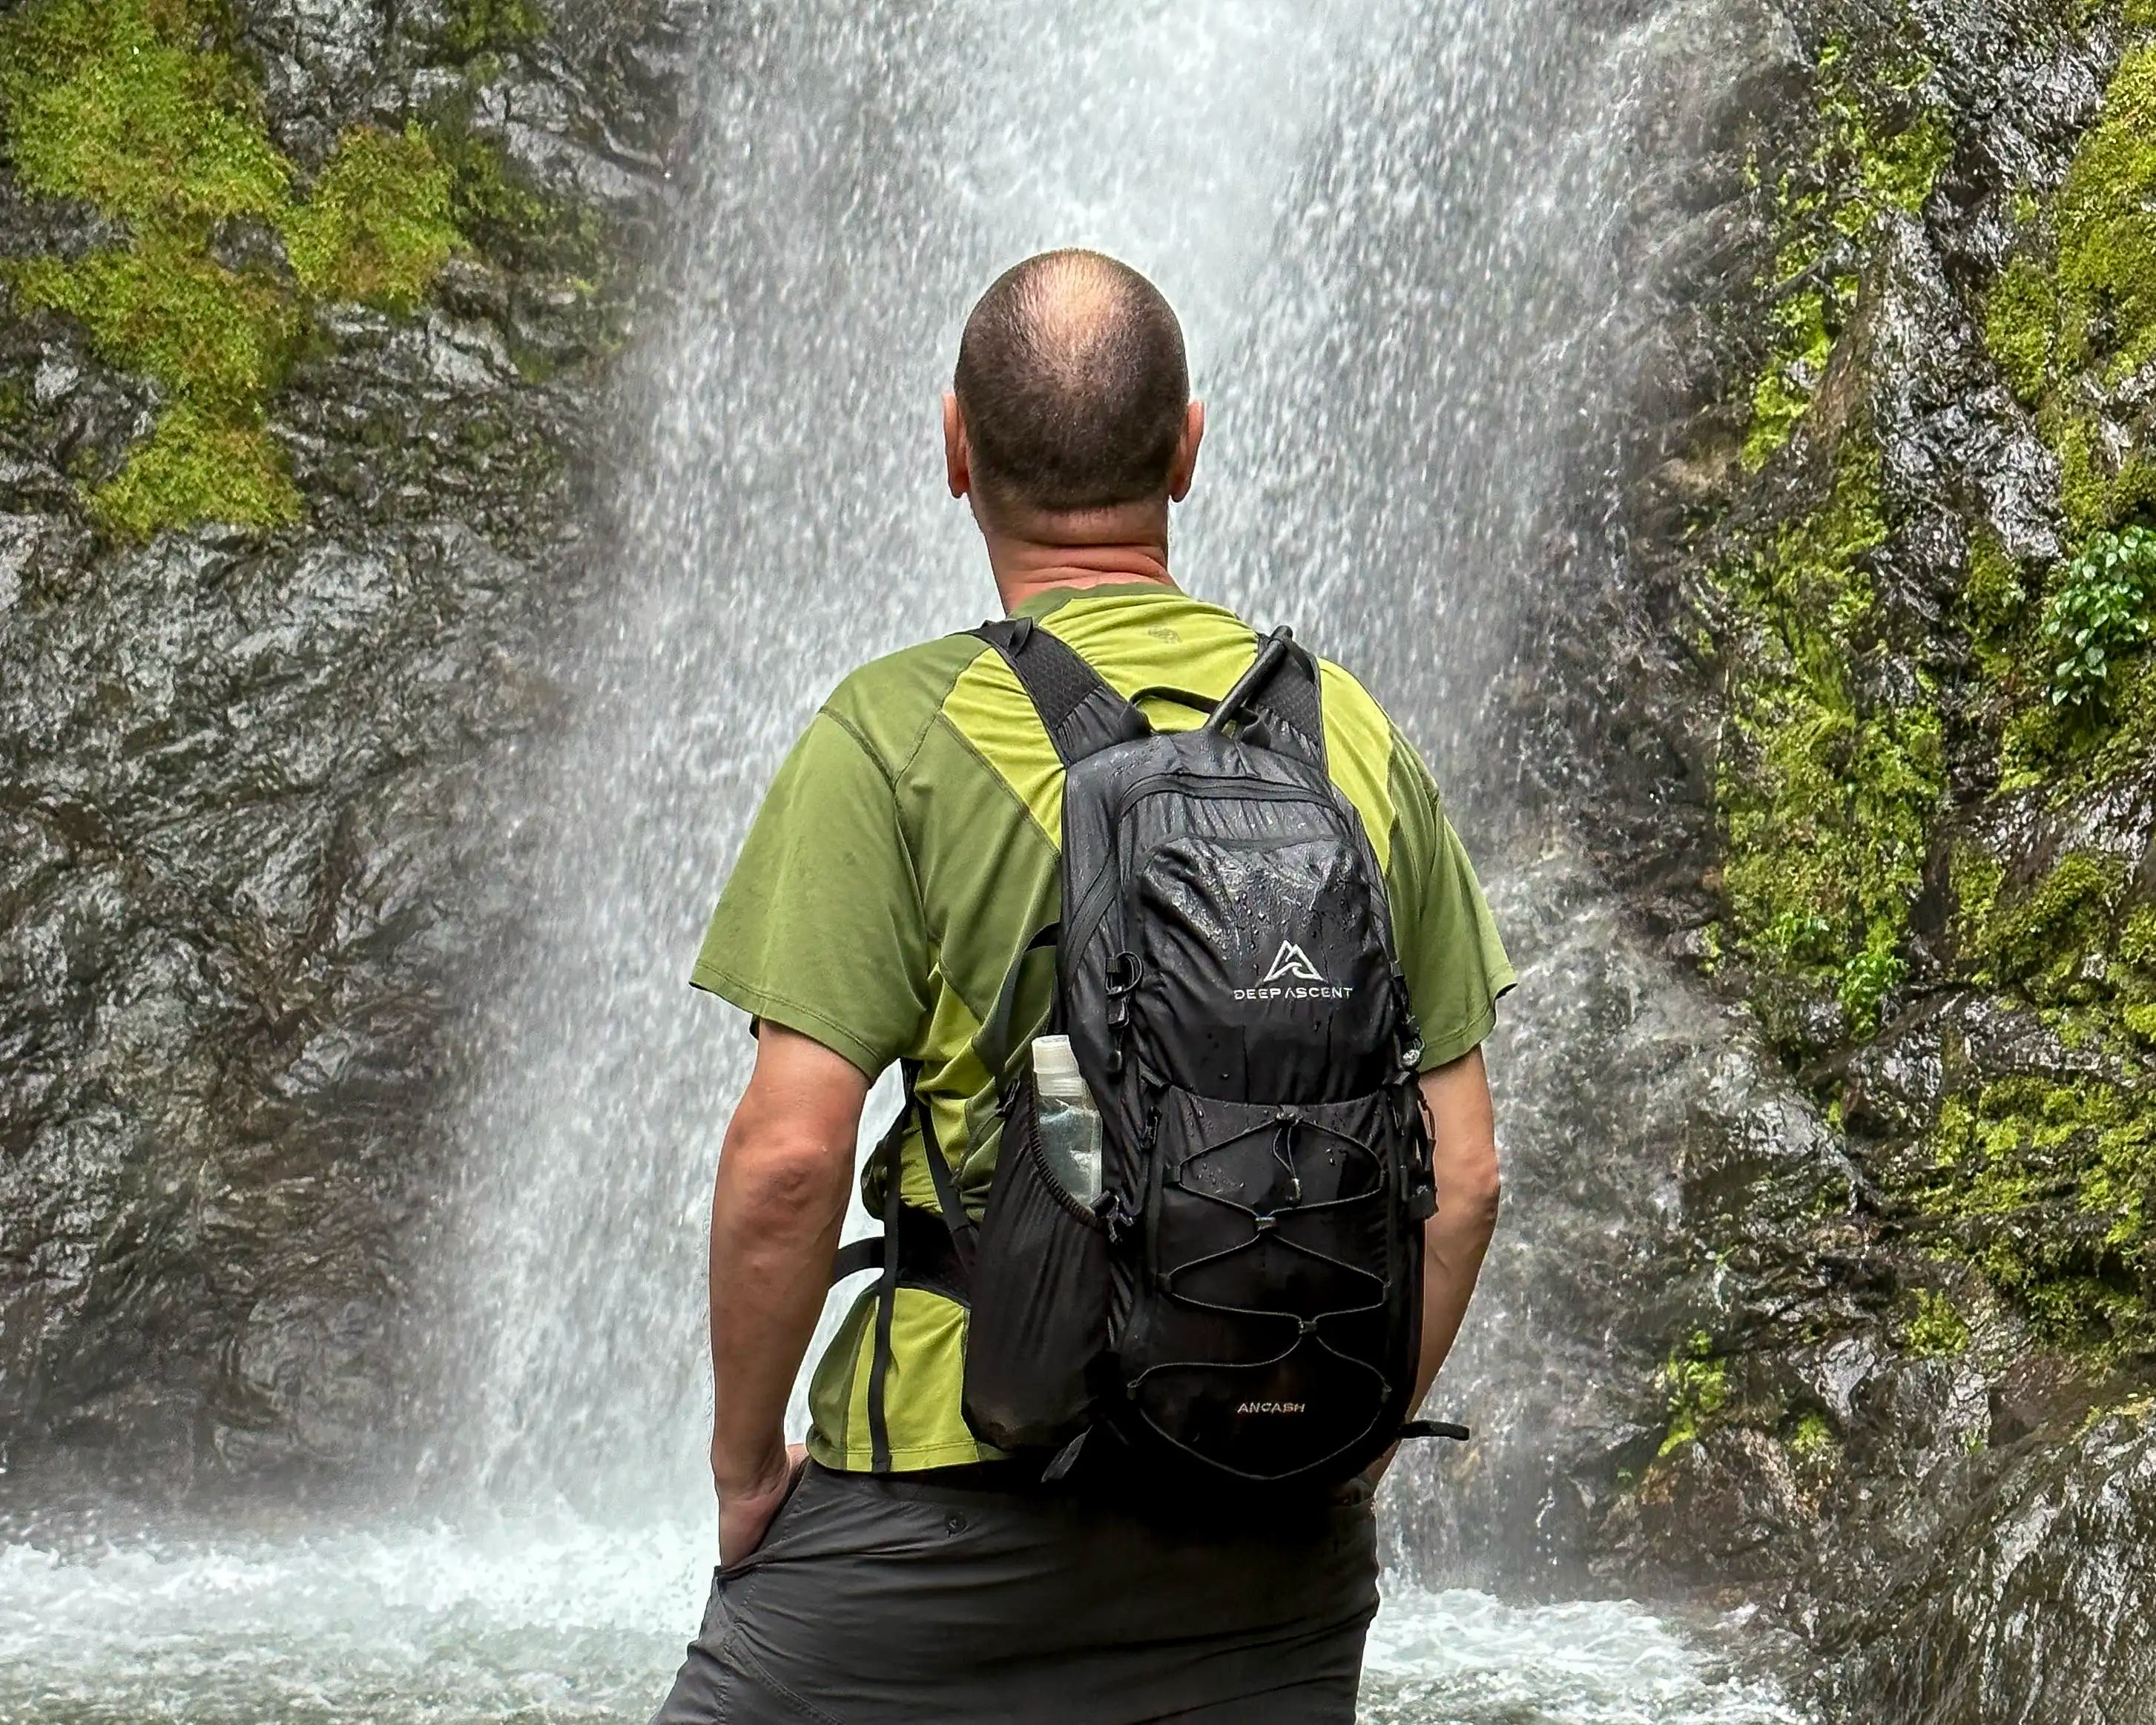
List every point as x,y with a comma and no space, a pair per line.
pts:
904,857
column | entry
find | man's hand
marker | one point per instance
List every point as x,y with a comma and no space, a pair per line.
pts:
776,1209
1464,1158
747,1507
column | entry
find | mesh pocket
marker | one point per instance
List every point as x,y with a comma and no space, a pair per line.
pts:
1041,1286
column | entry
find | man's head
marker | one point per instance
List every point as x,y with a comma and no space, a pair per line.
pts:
1072,396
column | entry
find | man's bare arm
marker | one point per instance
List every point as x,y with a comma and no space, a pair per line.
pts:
1464,1157
776,1209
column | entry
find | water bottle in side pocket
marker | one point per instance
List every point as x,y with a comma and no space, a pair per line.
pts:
1070,1120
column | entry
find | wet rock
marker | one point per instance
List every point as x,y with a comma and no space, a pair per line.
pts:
1659,1167
2035,1609
239,892
1833,1410
228,942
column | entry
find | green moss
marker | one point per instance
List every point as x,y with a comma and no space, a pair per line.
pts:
221,340
2046,1185
477,26
377,227
1813,1442
1899,172
2072,942
2107,228
1937,1331
2076,304
1783,393
1975,879
2021,326
195,467
1825,800
2041,942
128,105
2047,1188
1993,602
111,101
1698,1385
2097,490
1874,157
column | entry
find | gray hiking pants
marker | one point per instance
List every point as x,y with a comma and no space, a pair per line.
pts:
874,1601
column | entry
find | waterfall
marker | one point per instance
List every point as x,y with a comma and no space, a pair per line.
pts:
1398,233
865,173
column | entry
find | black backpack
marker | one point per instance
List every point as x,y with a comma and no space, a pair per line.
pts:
1244,1300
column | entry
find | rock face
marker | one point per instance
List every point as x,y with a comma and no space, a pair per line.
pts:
2037,1607
238,890
1870,764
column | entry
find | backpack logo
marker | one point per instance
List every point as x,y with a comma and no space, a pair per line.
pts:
1271,1407
1293,976
1292,961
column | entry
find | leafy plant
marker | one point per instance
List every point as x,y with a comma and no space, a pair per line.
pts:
2098,613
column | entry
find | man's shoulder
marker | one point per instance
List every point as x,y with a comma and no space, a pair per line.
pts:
889,703
1354,719
1372,760
1343,688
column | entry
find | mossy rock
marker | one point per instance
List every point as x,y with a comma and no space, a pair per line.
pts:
139,109
376,226
1826,794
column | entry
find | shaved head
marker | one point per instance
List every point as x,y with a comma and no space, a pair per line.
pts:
1073,384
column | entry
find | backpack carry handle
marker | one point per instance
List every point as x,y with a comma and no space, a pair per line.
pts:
1270,657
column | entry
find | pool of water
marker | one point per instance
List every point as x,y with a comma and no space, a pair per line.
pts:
557,1621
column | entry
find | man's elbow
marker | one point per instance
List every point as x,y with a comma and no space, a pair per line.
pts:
787,1175
1473,1193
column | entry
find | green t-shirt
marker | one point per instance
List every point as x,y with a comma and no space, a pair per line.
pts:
906,853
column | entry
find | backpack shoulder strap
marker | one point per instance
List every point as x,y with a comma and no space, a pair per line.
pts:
1082,714
1288,707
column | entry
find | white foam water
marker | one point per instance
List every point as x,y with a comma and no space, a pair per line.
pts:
558,1621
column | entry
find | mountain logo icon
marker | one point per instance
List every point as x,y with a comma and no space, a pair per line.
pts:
1292,961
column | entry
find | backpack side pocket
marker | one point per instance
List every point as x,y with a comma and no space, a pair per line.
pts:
1041,1295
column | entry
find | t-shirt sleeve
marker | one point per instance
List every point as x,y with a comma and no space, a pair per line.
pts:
1449,946
820,927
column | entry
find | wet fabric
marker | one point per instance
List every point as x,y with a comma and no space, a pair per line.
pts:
1226,977
892,1600
907,852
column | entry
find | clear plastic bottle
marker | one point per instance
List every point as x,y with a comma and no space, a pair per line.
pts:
1070,1120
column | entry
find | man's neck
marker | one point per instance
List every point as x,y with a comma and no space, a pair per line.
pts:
1099,548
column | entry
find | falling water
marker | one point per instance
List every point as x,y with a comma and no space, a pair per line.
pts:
1403,237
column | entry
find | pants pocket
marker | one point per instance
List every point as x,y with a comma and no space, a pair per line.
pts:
773,1530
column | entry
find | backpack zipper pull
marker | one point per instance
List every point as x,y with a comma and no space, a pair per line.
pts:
1115,1216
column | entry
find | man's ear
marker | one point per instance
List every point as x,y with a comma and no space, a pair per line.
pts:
958,460
1185,465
